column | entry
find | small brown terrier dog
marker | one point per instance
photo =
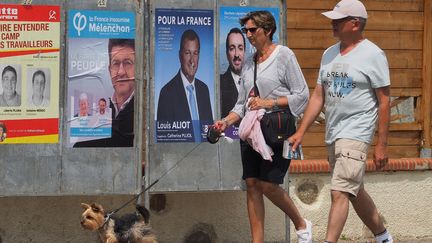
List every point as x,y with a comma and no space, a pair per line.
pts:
131,228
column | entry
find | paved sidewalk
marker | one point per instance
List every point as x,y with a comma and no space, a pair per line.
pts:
423,240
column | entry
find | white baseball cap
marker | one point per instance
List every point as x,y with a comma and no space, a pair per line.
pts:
346,8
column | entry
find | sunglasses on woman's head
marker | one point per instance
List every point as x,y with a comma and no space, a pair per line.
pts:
252,30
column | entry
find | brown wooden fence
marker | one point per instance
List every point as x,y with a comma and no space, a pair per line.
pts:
403,30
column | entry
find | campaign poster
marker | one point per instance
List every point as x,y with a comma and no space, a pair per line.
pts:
184,74
30,68
101,78
232,56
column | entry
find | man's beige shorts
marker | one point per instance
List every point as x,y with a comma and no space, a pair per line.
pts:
347,160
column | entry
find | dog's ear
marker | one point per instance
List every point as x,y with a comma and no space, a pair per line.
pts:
85,206
97,208
144,212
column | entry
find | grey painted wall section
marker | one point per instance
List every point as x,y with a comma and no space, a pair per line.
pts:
403,198
193,166
54,169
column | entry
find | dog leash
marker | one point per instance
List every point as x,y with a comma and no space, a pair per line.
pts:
109,215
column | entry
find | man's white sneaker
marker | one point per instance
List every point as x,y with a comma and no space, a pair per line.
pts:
305,235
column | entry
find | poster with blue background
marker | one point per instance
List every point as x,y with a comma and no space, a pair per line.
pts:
229,19
95,85
184,77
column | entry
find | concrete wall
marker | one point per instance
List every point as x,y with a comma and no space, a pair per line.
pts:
403,199
57,169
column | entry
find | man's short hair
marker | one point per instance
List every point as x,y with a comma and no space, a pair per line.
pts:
103,99
263,19
232,31
120,42
10,69
189,35
41,73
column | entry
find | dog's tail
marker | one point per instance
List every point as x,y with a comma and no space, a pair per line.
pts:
144,213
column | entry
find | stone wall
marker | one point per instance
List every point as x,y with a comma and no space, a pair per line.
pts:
403,199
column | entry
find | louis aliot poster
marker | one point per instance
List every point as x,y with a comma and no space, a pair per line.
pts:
184,74
29,65
101,78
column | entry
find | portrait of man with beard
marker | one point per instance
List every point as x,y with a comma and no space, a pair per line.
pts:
230,81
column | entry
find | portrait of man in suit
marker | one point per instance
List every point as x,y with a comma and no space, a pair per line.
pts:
230,81
186,98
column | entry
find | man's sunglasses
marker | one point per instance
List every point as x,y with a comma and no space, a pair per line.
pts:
349,18
252,30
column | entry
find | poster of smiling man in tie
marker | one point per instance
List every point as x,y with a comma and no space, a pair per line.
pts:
184,74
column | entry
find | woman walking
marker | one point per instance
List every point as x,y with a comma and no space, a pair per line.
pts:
281,85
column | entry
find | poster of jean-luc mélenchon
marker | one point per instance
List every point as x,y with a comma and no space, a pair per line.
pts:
184,74
101,78
30,69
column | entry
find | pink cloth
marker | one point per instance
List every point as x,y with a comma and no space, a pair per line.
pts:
250,131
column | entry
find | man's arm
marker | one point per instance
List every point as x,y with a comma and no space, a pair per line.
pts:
381,153
313,109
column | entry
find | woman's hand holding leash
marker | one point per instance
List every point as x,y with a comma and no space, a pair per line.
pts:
220,125
216,131
218,128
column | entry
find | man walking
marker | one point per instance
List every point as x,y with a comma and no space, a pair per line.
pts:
354,85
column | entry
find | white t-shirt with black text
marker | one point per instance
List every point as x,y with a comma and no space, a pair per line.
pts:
351,106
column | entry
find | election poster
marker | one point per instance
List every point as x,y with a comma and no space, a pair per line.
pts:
101,78
30,69
234,49
184,74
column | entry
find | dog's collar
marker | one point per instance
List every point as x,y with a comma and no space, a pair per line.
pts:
107,218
